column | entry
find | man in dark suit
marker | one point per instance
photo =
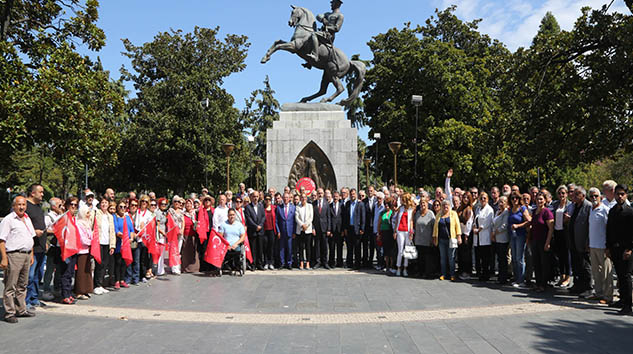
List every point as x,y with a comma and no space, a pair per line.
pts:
285,217
335,241
620,246
369,238
321,223
354,220
255,218
579,242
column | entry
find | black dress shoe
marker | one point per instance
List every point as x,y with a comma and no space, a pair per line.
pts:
327,266
26,314
616,304
11,319
317,266
625,312
260,268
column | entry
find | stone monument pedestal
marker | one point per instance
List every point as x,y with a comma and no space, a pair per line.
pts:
315,141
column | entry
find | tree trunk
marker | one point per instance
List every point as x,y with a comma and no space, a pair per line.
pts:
5,20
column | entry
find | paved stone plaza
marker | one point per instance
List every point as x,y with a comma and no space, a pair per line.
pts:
320,312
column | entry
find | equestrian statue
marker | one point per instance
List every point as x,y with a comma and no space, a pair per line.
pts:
317,48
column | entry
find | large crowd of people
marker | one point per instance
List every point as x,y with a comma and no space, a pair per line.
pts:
534,240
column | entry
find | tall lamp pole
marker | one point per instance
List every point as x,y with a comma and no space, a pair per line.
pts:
205,104
367,161
416,100
228,148
376,138
394,146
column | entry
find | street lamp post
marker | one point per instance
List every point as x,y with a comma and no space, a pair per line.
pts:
228,148
205,104
416,100
394,146
376,138
367,161
258,163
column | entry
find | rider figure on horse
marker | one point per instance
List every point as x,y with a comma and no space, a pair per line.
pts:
332,23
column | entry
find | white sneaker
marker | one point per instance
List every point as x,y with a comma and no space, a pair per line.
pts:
105,291
516,285
404,273
398,272
270,266
98,291
393,270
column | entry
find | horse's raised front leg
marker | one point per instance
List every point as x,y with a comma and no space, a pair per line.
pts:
339,89
322,91
278,45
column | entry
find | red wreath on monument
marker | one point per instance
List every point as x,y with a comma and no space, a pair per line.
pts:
307,183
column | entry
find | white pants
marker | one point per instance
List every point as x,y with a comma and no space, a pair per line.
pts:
160,267
176,269
402,237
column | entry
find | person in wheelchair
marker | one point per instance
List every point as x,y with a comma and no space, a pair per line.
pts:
234,233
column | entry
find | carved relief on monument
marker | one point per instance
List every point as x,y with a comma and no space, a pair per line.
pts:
313,163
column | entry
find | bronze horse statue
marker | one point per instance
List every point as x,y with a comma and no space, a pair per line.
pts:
331,60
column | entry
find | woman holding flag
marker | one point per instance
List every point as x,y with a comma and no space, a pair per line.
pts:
142,218
83,275
190,262
124,229
67,237
104,227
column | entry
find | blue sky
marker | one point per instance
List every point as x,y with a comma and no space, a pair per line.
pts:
514,22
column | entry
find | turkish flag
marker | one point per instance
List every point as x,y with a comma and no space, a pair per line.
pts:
126,248
95,245
67,235
203,224
216,249
247,245
148,235
172,239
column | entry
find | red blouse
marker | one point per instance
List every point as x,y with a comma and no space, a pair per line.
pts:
404,223
269,224
189,230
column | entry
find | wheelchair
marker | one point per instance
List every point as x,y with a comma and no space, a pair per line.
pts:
228,260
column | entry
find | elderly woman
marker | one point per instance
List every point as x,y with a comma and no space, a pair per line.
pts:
518,221
83,275
107,241
143,216
482,237
177,215
403,230
447,235
500,238
121,220
303,219
161,237
424,223
190,263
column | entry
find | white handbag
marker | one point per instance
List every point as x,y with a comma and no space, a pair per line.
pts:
410,252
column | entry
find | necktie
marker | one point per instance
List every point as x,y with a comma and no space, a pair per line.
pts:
320,205
286,210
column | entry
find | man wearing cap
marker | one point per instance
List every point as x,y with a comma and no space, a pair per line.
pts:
90,201
16,251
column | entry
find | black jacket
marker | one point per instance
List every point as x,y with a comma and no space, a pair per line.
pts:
336,220
359,217
321,220
253,220
620,227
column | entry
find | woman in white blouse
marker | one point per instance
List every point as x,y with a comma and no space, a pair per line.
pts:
303,219
482,233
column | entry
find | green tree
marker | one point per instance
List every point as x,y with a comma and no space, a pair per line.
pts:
165,137
260,110
458,71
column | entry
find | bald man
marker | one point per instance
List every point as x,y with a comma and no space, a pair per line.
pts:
16,248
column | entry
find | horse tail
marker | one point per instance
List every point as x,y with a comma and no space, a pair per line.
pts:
359,69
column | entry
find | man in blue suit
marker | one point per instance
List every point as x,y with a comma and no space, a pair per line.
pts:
286,225
354,221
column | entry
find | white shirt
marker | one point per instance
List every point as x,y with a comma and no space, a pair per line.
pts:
104,229
598,227
611,204
220,215
17,233
484,220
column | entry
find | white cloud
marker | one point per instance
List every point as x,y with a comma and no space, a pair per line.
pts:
515,22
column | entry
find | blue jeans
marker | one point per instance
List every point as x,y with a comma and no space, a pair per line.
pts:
447,257
132,272
36,273
517,244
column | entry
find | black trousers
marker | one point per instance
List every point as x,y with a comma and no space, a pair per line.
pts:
202,248
145,260
501,250
369,245
352,240
305,246
119,267
268,245
335,243
464,257
100,269
483,256
561,249
428,261
68,273
320,248
582,269
257,247
541,261
624,270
